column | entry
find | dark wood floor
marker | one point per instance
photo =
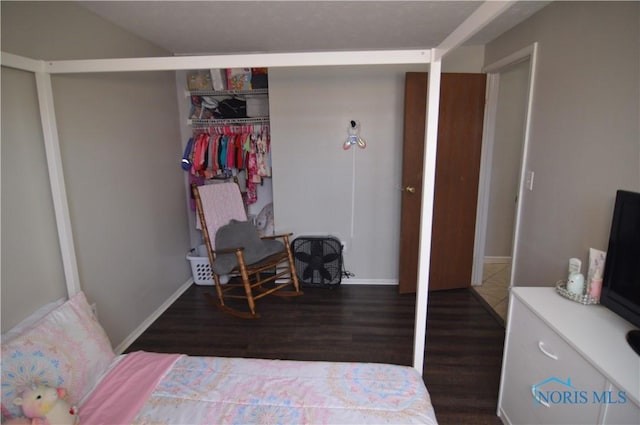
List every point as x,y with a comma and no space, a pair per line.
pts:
353,323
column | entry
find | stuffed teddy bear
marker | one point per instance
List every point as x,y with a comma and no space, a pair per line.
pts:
46,405
264,221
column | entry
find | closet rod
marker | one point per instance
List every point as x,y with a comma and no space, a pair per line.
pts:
200,123
249,92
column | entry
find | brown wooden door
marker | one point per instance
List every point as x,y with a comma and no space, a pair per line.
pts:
456,185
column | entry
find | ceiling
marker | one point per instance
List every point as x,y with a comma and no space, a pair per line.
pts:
224,27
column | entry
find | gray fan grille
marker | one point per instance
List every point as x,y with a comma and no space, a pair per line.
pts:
318,260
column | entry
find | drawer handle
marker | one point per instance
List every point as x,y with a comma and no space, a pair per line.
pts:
545,352
533,393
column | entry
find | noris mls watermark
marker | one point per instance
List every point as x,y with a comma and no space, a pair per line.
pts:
554,390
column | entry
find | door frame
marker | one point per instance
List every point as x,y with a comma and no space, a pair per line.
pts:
493,82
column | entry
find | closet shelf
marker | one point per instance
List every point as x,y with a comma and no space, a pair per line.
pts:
226,92
200,123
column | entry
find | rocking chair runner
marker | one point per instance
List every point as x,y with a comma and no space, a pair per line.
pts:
240,251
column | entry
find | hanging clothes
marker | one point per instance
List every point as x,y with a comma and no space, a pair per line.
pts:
262,153
239,153
185,163
225,151
250,170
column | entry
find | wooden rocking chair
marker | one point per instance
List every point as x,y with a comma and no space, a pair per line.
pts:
234,248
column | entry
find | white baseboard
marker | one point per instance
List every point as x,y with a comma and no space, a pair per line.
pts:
369,281
346,281
497,260
144,325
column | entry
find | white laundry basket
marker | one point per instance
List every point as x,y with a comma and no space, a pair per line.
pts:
200,267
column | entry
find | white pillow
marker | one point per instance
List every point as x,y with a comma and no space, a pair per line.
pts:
66,348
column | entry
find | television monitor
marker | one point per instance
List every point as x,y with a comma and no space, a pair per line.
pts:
621,280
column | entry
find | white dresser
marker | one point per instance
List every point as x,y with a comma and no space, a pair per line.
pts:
566,363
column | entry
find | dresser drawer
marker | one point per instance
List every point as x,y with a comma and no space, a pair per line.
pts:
555,401
545,348
537,359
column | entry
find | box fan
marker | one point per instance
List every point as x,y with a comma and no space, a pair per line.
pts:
318,260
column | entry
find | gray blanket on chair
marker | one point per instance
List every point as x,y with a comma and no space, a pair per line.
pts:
242,234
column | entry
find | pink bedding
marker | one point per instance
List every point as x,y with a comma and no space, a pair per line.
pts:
125,389
168,389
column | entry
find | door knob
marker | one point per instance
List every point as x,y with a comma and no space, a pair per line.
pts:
409,189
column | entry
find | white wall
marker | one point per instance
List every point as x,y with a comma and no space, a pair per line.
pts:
32,273
585,140
320,189
313,176
506,159
120,151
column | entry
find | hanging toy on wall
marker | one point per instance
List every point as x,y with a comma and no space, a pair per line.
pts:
354,137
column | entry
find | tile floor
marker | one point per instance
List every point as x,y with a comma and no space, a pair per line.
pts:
495,287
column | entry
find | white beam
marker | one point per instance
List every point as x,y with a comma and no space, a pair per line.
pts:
269,60
20,62
56,180
426,221
484,14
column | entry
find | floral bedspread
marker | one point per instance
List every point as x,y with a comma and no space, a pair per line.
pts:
216,390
